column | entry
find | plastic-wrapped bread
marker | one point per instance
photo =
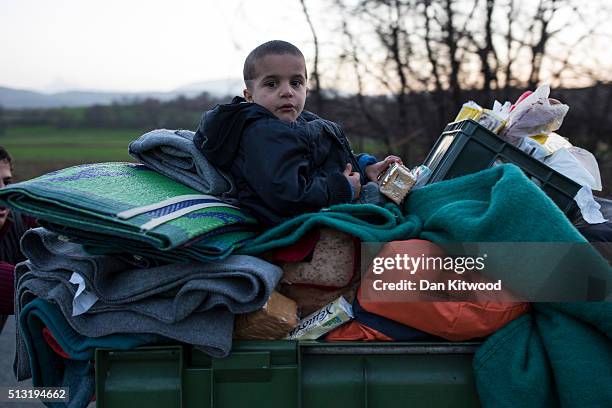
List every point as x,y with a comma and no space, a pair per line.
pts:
396,182
272,322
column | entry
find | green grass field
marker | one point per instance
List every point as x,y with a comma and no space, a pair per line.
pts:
39,149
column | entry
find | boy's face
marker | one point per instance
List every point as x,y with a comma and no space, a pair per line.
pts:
6,177
280,86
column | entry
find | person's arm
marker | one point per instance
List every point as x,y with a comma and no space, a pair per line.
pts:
374,169
278,169
7,288
365,159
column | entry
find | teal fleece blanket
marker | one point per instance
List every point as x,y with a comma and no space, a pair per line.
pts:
560,355
368,222
49,369
125,207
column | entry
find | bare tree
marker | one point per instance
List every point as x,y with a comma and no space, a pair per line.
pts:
315,71
510,17
547,10
450,40
353,54
430,56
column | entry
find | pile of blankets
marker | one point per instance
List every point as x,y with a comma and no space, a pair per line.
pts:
134,254
130,255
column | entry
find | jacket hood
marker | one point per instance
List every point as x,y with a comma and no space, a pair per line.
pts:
220,129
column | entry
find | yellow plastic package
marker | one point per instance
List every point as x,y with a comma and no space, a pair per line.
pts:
486,117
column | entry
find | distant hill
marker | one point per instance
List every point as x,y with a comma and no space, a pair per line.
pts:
18,98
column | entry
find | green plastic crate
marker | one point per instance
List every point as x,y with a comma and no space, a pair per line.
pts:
289,374
467,147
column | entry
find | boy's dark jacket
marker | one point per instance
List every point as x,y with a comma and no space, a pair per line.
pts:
280,169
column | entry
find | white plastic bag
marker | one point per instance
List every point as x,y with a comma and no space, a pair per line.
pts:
589,208
555,141
503,111
577,164
589,163
580,165
534,115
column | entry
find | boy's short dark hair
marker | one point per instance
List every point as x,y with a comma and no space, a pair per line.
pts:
274,47
4,155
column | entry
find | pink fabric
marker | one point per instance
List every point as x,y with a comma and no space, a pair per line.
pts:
520,99
299,250
51,342
29,222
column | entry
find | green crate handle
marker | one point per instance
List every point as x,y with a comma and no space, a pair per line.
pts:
247,366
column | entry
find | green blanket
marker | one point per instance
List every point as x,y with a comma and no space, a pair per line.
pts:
124,207
368,222
496,205
560,355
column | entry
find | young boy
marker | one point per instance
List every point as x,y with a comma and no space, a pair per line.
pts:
285,161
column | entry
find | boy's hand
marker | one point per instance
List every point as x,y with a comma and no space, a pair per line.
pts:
353,178
373,170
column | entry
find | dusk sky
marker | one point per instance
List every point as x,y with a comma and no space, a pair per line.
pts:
138,45
154,45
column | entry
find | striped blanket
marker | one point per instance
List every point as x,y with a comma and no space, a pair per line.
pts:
125,207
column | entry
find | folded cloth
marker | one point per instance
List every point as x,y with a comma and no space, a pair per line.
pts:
125,207
368,222
173,154
211,331
48,368
51,342
193,303
355,331
168,293
387,327
298,251
499,204
560,355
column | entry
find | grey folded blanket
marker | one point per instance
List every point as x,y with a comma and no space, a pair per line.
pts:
173,154
192,303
